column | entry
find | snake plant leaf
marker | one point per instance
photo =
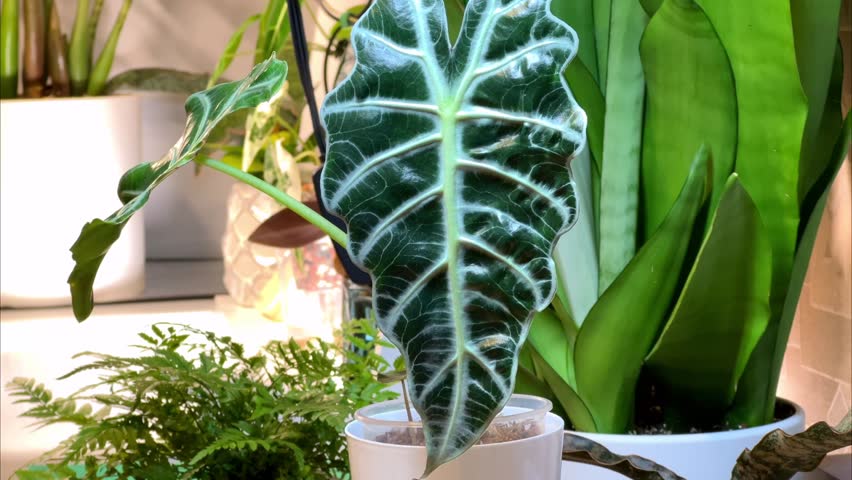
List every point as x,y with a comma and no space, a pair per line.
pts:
780,456
806,245
576,448
448,164
772,110
691,85
831,124
204,110
815,28
576,253
602,13
156,80
622,144
565,395
579,14
622,327
722,311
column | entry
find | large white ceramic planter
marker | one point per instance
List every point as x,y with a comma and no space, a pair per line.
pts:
700,456
534,458
60,162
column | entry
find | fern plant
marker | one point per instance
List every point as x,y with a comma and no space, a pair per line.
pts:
194,405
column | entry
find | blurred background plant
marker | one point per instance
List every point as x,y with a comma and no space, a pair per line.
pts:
54,65
196,405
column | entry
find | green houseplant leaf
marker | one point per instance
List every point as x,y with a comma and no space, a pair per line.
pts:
780,456
772,109
204,110
622,326
690,86
448,164
622,141
722,311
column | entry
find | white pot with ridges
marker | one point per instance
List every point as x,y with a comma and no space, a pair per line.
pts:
524,442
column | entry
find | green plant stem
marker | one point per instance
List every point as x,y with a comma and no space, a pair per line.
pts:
102,67
57,55
34,27
94,20
9,49
80,50
296,206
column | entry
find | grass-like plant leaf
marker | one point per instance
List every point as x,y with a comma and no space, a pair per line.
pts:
690,85
772,110
712,332
204,110
622,327
448,164
780,456
582,450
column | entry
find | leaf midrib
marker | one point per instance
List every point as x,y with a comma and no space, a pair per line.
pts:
448,111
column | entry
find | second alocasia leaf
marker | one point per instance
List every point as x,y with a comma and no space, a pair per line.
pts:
448,164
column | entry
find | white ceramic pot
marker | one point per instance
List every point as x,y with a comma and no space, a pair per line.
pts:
60,162
698,456
537,457
185,218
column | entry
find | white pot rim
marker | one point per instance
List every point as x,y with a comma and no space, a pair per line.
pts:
681,438
553,422
81,99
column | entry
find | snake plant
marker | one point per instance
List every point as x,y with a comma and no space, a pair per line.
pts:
670,298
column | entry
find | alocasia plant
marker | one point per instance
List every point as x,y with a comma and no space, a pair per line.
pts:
448,163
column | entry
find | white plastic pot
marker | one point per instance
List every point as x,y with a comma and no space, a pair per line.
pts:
534,458
60,162
699,456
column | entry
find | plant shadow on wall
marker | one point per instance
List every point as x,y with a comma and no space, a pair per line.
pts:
454,197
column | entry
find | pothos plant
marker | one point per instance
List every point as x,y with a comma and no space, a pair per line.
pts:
449,164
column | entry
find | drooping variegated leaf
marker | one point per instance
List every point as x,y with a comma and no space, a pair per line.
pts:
204,110
780,456
582,450
449,165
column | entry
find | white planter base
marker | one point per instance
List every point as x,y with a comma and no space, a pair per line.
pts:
61,162
700,456
534,458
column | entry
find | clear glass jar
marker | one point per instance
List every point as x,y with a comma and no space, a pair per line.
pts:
387,422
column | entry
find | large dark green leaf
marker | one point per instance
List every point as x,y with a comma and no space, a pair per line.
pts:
722,311
804,250
772,110
449,166
622,143
780,456
622,326
204,110
691,89
815,26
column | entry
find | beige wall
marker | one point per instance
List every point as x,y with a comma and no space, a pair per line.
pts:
182,34
818,364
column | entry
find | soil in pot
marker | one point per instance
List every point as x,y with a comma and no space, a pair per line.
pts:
652,418
497,433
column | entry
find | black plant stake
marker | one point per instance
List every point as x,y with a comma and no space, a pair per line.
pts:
300,46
